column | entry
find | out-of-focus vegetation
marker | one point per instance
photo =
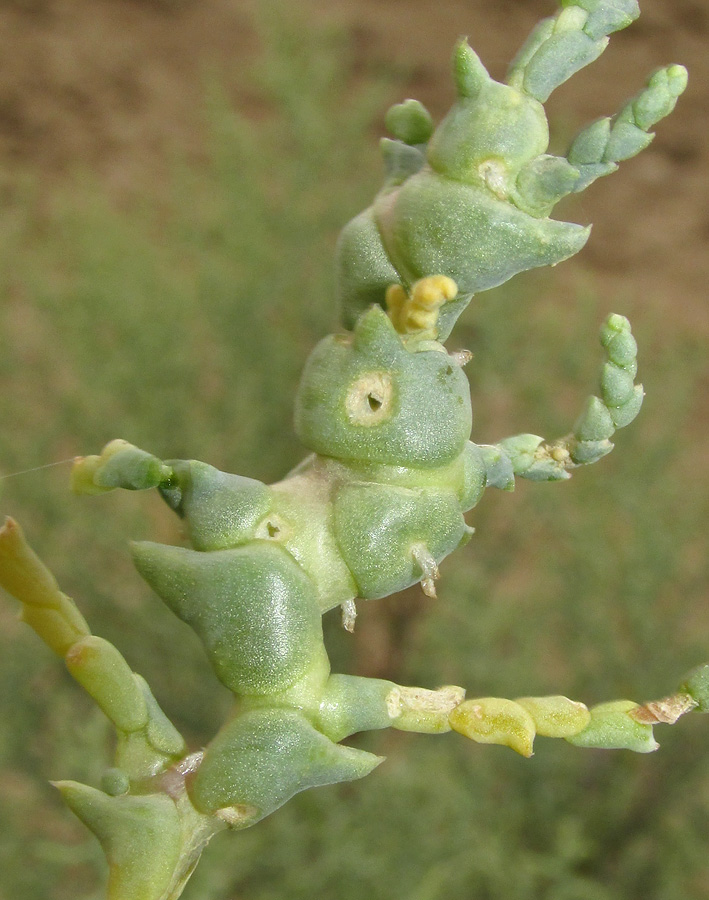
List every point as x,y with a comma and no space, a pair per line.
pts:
183,330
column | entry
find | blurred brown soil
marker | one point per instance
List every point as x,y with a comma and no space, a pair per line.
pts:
117,87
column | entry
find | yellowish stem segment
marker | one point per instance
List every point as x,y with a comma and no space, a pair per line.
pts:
45,608
147,740
617,725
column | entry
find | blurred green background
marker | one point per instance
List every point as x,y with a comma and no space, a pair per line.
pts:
179,318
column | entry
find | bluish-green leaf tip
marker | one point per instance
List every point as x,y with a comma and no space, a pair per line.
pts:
612,727
469,73
409,122
677,79
696,684
140,835
605,17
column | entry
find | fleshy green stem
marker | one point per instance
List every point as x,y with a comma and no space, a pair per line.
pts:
619,403
147,742
561,45
617,725
144,820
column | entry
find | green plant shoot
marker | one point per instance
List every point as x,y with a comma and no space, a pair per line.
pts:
385,411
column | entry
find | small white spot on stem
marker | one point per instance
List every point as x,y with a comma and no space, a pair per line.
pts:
349,614
172,782
369,400
393,701
429,569
272,528
236,815
403,700
461,357
494,173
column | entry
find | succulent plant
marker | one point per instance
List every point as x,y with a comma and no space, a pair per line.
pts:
385,411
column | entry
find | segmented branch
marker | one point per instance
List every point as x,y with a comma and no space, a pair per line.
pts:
618,404
562,44
598,149
147,742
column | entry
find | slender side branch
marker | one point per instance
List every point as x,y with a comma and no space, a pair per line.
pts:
150,832
618,404
148,743
352,704
617,725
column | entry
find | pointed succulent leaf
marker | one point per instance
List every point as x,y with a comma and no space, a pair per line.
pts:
253,607
621,347
585,452
364,271
140,835
469,73
544,181
262,758
616,384
606,16
626,141
589,145
625,413
521,450
612,728
595,422
467,233
219,509
376,337
588,174
557,60
499,471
